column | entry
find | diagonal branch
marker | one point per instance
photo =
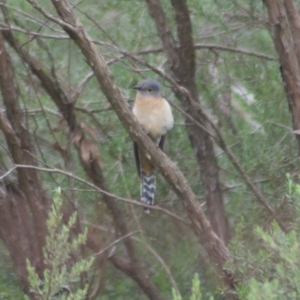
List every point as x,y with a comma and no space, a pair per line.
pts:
91,163
218,137
202,229
95,187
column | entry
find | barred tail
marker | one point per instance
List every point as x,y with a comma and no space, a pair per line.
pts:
148,189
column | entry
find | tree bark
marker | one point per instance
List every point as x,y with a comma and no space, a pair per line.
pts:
284,22
24,205
182,65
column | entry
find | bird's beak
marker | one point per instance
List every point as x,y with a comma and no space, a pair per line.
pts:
136,88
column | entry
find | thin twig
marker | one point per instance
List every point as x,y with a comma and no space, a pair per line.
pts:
59,171
7,173
32,33
115,242
162,262
50,17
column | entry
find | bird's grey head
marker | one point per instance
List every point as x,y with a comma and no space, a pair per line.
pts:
149,87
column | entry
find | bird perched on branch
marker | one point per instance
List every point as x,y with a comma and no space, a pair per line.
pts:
154,114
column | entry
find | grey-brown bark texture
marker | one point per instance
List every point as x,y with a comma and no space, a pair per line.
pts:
182,60
23,208
284,24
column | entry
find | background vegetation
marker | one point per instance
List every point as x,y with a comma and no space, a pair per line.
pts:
240,88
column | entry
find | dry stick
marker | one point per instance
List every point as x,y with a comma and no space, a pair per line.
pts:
95,187
211,47
147,51
114,243
49,16
162,262
195,46
81,86
10,170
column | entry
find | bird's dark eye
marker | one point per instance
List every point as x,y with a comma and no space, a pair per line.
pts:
149,90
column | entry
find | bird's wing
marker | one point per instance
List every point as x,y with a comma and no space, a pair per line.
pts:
146,166
162,142
137,158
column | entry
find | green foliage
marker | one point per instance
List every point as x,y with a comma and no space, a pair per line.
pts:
261,140
62,274
272,271
196,290
9,285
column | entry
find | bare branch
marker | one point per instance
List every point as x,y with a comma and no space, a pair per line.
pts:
12,169
115,242
50,17
32,33
201,225
235,50
145,51
95,187
162,262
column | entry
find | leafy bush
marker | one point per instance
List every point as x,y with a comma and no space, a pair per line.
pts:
61,273
273,270
196,290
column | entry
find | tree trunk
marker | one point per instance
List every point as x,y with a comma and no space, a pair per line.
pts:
182,65
24,205
284,22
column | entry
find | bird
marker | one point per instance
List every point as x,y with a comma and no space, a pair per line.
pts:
154,114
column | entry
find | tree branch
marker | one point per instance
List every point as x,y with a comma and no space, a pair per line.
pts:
284,21
97,188
30,202
201,226
90,160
